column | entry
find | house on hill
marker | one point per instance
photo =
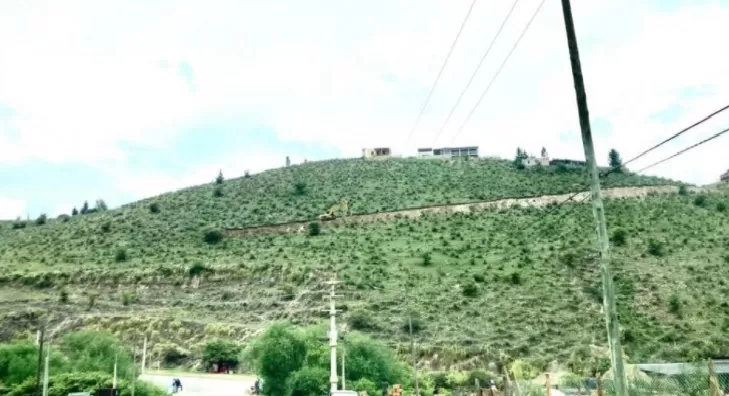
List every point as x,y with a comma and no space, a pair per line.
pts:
558,161
448,152
377,152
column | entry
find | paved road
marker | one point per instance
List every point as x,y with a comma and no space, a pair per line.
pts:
205,385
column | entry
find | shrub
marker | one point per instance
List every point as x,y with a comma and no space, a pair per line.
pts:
361,320
314,228
682,190
121,255
674,304
222,351
213,237
721,207
427,259
515,278
218,191
198,269
42,219
300,188
619,237
19,224
154,207
701,201
470,289
63,218
63,296
106,227
655,248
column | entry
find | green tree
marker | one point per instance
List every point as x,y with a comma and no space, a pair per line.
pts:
219,179
74,212
101,205
85,207
614,160
521,156
19,361
94,351
309,381
42,219
276,356
222,352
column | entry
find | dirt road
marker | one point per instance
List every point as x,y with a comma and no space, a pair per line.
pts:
205,385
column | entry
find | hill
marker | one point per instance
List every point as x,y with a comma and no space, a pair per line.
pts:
520,281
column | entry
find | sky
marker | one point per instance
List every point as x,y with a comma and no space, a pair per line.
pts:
122,100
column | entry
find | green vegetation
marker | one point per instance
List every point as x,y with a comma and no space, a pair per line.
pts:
296,362
83,361
480,287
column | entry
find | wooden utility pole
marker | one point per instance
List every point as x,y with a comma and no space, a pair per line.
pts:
41,339
333,380
598,211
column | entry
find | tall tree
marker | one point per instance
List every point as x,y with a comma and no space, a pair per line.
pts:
544,152
616,163
101,205
219,179
85,207
74,212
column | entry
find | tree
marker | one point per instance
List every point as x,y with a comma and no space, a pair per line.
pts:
101,205
85,207
276,356
616,163
222,352
521,155
74,212
94,351
219,179
314,228
544,152
42,219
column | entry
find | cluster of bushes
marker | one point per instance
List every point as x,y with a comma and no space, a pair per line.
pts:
295,361
80,362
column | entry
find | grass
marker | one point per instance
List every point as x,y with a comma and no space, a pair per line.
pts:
520,282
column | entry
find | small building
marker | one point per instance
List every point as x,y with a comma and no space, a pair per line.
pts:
378,152
725,176
558,161
448,152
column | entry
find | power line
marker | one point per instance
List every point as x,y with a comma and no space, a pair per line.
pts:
686,149
516,44
681,132
480,63
437,78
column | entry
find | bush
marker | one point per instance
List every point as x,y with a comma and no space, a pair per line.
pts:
64,218
121,255
106,227
427,259
63,384
213,237
470,289
218,191
300,188
63,296
42,219
619,237
515,278
314,228
682,190
721,207
361,320
655,248
19,224
154,207
198,269
701,201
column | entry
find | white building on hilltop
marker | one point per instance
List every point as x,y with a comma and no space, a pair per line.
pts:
448,152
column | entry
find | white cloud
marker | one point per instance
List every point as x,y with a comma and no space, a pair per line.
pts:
12,208
85,76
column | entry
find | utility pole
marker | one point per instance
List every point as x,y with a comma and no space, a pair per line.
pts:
344,357
40,335
333,336
598,211
116,361
45,370
144,356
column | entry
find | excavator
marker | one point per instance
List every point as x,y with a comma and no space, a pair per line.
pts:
341,207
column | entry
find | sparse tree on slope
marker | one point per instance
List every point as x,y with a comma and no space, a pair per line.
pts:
74,212
616,163
85,207
219,179
521,155
101,205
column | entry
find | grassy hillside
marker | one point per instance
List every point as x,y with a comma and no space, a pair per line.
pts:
523,282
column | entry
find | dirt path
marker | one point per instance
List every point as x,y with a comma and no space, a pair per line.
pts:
499,204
